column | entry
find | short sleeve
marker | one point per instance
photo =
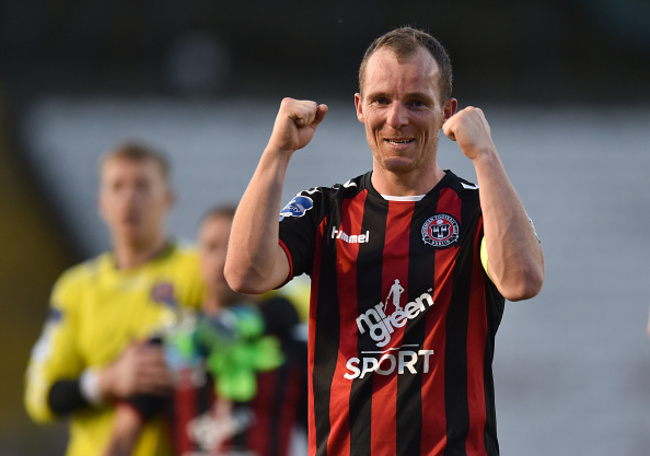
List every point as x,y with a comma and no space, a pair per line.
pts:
299,220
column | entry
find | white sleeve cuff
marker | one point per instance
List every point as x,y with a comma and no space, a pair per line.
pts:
89,386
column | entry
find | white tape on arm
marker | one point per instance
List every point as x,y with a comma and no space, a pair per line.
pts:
89,386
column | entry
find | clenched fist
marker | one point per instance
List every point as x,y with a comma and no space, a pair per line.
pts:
469,128
295,124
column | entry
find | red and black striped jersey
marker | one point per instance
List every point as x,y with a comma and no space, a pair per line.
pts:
203,424
402,320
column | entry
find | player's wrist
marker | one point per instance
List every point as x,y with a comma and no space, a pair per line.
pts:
484,155
108,383
278,153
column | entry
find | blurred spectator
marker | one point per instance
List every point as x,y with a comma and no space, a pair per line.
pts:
239,367
92,350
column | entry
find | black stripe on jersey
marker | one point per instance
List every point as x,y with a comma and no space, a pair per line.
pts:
456,405
326,340
409,387
495,303
369,285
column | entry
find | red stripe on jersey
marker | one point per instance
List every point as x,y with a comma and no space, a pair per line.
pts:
313,306
258,439
288,413
476,337
346,278
185,402
394,278
289,258
434,437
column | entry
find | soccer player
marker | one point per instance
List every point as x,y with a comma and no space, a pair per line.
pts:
92,352
413,379
228,419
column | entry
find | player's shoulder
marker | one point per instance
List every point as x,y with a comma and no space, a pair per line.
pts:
355,185
78,277
181,260
342,189
459,184
83,271
316,201
184,249
346,190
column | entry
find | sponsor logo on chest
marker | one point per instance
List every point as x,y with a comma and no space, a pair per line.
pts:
380,322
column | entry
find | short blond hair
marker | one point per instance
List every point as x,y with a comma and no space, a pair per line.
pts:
138,151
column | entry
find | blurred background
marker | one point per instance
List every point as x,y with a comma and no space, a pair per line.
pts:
565,87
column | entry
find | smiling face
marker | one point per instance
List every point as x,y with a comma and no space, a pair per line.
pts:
400,106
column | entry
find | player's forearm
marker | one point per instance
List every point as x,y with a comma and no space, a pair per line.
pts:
516,261
52,389
127,428
254,260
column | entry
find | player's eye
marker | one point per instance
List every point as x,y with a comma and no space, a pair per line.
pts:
416,103
116,186
380,100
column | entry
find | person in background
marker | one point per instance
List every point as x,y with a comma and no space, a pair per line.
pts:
410,265
93,350
240,369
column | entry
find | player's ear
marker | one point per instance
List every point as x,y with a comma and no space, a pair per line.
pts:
358,104
449,109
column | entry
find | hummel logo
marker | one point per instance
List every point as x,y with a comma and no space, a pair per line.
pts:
350,239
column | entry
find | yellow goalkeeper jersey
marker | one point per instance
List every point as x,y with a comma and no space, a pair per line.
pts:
95,311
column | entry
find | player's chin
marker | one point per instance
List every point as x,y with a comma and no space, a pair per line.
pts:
131,232
399,164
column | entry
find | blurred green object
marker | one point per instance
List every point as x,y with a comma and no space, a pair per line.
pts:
232,344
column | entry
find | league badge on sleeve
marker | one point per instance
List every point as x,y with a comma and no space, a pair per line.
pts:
441,230
297,207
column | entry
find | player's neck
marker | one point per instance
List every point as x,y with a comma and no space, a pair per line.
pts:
135,254
409,184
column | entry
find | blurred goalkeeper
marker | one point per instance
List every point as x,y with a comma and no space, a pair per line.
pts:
93,353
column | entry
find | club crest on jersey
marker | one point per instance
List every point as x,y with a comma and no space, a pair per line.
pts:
163,292
441,230
297,207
